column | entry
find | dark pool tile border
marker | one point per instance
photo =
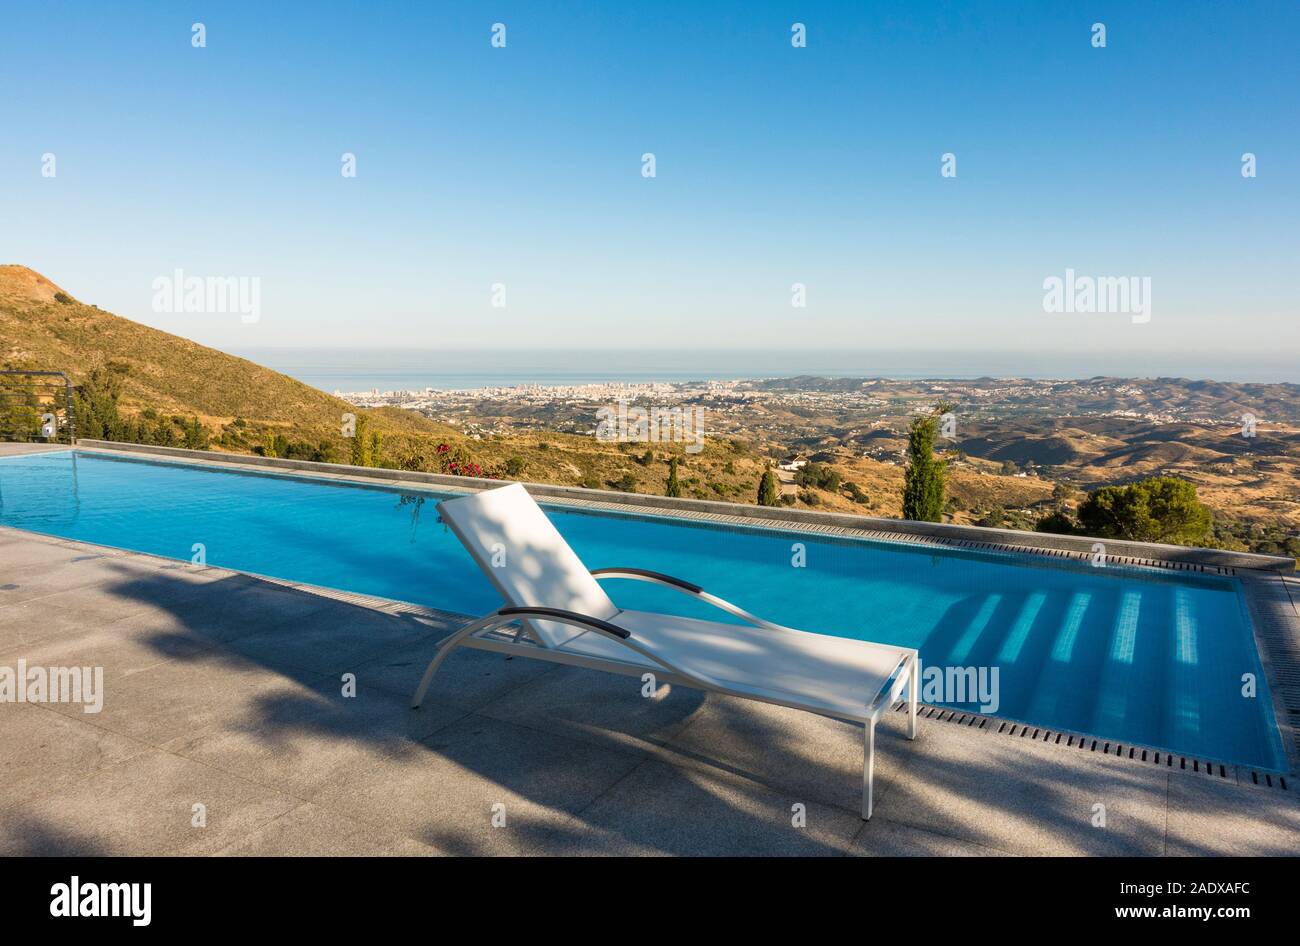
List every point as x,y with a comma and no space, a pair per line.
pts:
1145,756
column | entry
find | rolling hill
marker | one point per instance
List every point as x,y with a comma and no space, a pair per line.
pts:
44,328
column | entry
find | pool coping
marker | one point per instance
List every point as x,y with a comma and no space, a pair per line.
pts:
1273,612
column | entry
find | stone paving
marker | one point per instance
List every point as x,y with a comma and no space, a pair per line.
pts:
226,691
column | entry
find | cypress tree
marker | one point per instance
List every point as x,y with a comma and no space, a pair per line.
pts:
674,487
360,452
923,482
769,493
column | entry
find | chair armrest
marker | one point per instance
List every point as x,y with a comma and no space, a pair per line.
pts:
567,617
695,591
644,574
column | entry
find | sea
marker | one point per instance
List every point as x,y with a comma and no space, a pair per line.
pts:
353,370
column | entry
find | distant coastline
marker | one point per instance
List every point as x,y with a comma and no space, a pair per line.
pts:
333,370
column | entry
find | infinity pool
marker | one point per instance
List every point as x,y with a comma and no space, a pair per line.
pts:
1131,655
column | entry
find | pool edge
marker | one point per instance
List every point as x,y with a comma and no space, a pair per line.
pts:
1120,551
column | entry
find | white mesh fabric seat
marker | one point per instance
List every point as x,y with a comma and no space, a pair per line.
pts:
838,676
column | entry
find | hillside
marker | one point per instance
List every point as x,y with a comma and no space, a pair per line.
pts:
240,404
42,327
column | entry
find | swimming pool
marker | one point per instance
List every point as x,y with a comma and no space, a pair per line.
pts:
1127,654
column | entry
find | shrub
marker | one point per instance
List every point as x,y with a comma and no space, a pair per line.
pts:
1161,509
299,450
456,461
819,476
196,435
1063,492
1057,523
63,298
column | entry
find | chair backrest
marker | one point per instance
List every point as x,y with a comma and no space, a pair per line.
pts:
526,558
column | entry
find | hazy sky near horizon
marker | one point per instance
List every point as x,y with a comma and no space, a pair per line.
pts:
775,165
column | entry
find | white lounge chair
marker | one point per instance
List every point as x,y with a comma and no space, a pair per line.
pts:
563,615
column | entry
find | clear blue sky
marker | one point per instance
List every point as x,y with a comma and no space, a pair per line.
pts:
775,165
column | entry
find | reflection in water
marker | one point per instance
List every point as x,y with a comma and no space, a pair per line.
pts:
415,502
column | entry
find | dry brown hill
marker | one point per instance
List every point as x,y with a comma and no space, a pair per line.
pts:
42,327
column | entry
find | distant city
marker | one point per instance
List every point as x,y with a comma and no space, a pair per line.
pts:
415,370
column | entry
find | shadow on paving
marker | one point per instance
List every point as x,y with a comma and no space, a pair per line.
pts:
581,763
434,774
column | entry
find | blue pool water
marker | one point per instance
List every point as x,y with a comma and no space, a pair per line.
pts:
1130,655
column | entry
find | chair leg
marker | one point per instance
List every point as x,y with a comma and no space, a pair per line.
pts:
868,767
912,696
449,644
446,648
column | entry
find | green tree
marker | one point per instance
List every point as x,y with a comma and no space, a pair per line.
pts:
164,433
674,487
361,443
1161,509
769,493
514,466
133,431
923,481
95,404
196,436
